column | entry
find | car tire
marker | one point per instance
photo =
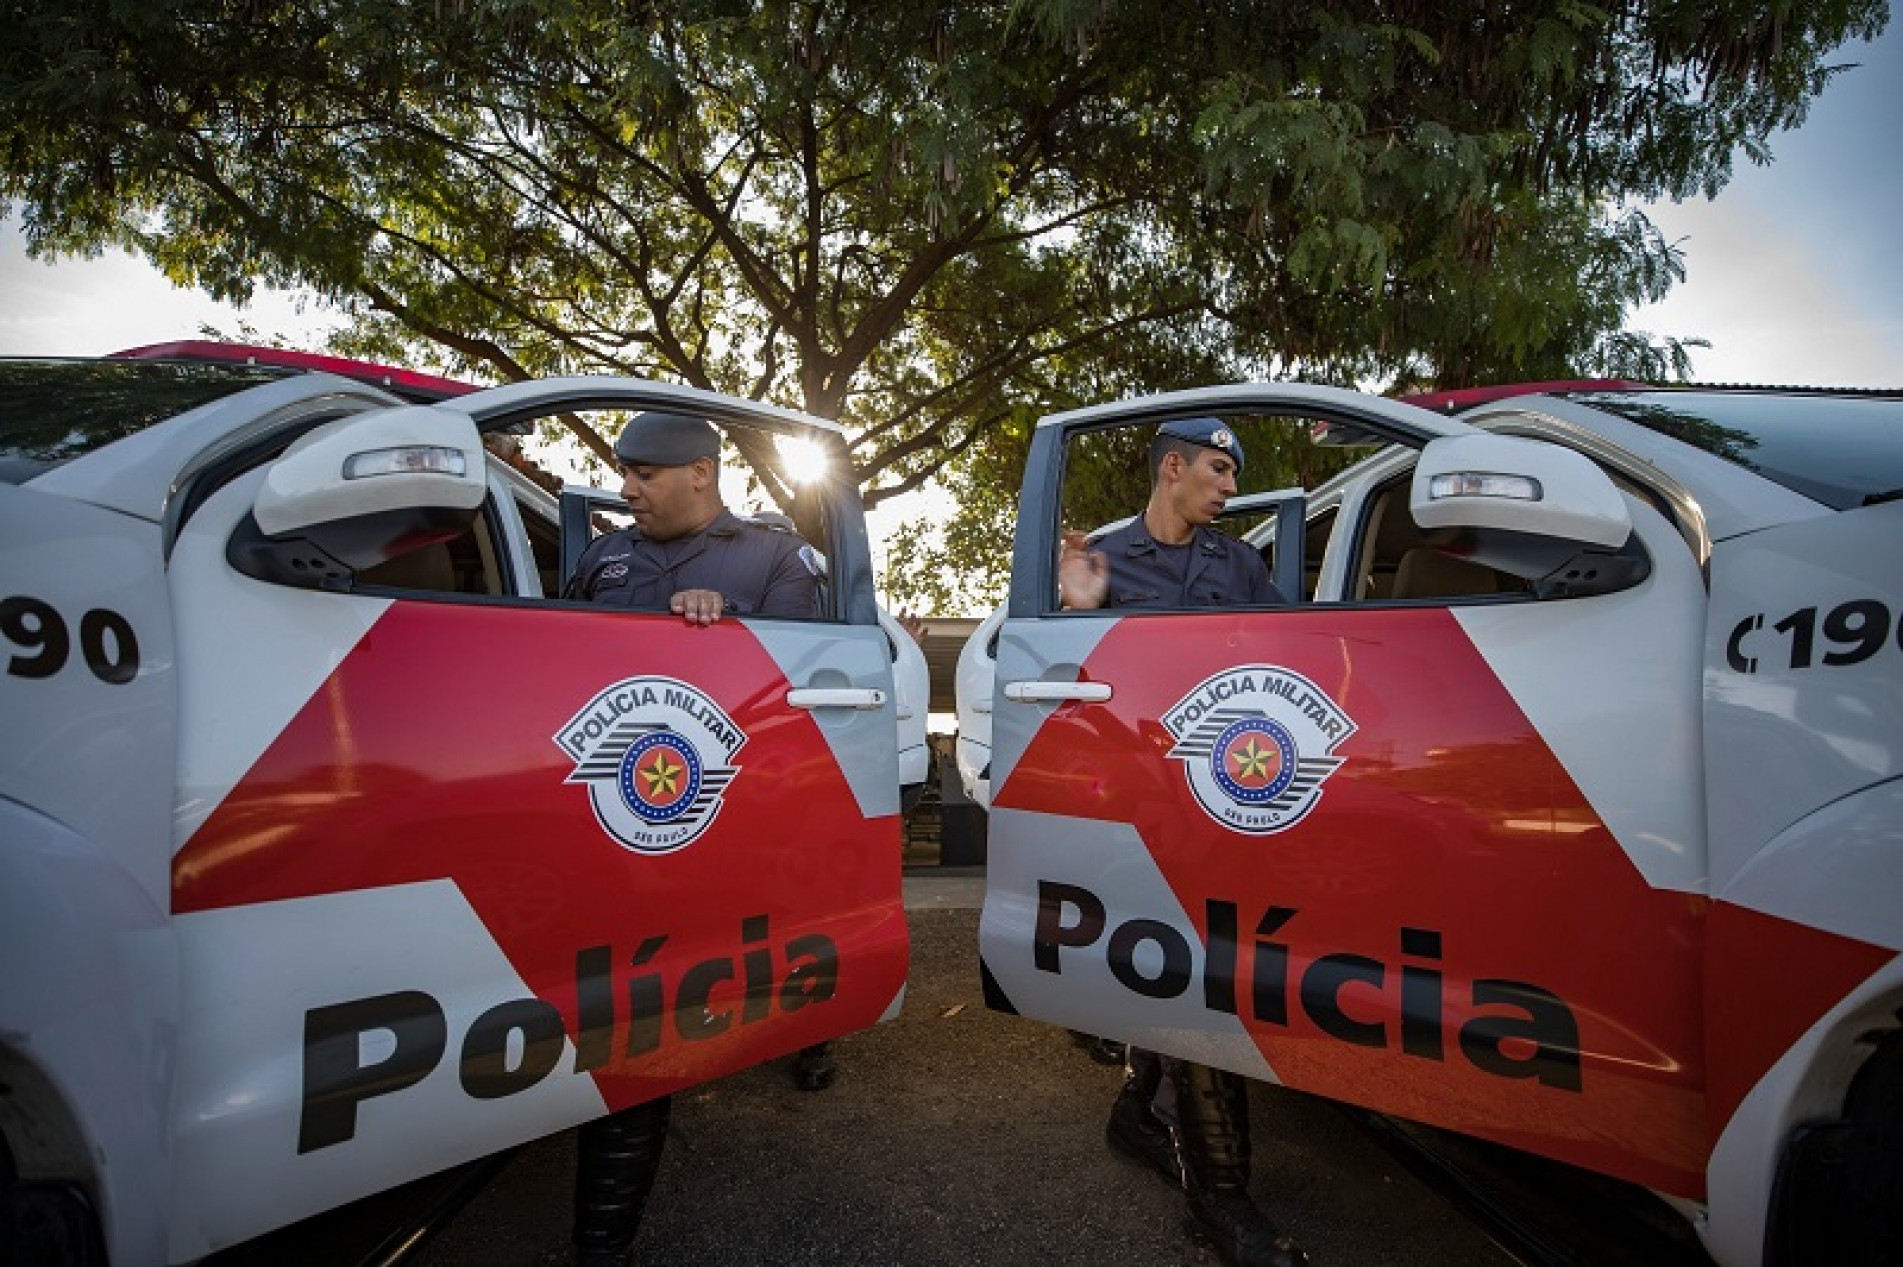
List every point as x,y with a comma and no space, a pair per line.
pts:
1873,1157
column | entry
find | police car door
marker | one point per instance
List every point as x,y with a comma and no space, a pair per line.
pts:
1427,849
462,867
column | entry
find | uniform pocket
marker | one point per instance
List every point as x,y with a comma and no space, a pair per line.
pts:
612,579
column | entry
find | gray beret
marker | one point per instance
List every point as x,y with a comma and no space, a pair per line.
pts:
662,439
1211,433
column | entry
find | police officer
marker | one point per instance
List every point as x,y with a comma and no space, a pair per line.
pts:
1188,1121
690,555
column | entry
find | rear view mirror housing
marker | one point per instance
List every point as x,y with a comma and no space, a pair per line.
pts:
1537,511
360,491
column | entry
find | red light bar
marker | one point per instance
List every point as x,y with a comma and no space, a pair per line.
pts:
408,384
1460,398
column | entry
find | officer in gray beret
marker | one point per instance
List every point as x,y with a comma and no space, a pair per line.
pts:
1187,1121
690,555
687,553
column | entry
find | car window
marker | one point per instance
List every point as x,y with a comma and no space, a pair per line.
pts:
607,513
545,542
1321,526
1843,451
1361,542
805,496
53,411
1316,530
469,563
1395,562
1106,480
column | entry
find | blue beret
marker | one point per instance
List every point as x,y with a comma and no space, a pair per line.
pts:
662,439
1211,433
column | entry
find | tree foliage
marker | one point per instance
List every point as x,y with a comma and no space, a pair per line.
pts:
928,222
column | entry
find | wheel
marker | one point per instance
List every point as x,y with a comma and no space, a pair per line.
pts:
1873,1159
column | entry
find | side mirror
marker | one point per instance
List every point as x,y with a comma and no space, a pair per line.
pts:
1528,508
361,490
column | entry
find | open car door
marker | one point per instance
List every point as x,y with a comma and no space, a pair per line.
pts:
1396,845
458,870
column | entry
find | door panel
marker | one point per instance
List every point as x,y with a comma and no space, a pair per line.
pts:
86,679
774,924
1372,850
1449,932
463,873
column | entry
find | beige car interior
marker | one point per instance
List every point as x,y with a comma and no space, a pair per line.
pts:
1397,563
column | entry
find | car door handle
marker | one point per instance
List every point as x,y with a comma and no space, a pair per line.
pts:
1036,692
862,698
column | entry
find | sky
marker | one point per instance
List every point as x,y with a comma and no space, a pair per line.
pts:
1794,273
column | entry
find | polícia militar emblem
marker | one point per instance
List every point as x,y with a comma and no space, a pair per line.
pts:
660,776
1257,742
656,756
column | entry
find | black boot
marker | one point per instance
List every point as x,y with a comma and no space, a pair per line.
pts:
1134,1129
813,1068
617,1159
1212,1137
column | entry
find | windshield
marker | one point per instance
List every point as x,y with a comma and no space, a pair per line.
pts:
1844,451
53,411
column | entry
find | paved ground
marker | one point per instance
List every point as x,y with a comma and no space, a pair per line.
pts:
955,1135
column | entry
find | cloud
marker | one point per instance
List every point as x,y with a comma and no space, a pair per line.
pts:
91,307
1792,272
1773,313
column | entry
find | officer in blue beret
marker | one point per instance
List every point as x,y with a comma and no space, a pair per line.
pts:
687,553
690,555
1169,556
1187,1121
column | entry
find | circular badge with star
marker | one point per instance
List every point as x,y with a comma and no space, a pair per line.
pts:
1254,760
1257,742
656,755
660,776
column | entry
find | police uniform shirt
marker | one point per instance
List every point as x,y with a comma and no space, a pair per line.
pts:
759,570
1213,570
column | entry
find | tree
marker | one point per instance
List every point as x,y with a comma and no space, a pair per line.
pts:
929,222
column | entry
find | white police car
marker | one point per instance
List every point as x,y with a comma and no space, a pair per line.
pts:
335,850
975,673
1563,808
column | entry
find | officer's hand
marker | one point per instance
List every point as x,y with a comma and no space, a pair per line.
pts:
911,624
701,607
1083,574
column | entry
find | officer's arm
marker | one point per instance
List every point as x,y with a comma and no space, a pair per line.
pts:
1262,589
792,587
